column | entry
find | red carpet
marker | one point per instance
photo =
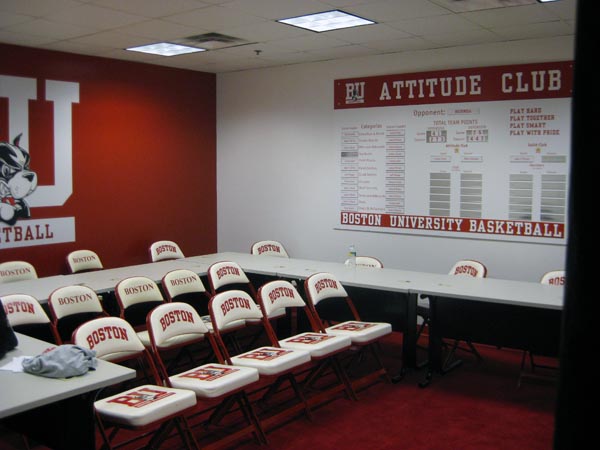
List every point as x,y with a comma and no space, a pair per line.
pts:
476,407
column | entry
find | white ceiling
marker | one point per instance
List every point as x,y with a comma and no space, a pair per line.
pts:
105,27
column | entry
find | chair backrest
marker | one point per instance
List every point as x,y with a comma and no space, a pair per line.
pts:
469,268
554,277
165,250
26,315
269,248
183,285
281,294
83,261
70,306
173,325
136,297
231,306
16,271
367,261
113,339
321,286
228,275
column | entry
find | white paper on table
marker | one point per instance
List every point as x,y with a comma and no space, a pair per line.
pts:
16,365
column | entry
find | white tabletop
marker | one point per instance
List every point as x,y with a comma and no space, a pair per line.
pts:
20,391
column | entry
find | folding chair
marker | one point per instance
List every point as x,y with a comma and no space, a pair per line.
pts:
173,326
83,261
164,251
149,408
553,278
136,297
228,275
466,268
70,306
269,248
25,315
324,348
16,271
365,336
367,261
275,365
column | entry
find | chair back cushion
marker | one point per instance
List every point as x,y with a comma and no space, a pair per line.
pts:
269,248
83,261
279,294
554,277
22,309
75,299
231,306
225,273
111,338
172,320
134,290
469,268
323,285
165,250
182,281
16,271
368,261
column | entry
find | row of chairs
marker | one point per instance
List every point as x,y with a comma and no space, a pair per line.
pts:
177,323
83,260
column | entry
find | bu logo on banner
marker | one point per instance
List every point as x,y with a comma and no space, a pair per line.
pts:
19,189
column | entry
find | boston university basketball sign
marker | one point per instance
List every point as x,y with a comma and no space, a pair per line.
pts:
20,187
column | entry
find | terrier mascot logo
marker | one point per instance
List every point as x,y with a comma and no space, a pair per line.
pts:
16,182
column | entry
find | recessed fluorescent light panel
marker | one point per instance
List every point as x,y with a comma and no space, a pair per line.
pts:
166,49
326,21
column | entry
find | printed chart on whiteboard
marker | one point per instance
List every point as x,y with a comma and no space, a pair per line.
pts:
478,153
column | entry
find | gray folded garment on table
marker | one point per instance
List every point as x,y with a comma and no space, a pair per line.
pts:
63,361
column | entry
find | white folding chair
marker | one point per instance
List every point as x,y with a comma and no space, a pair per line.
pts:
70,306
275,365
83,261
17,271
366,261
136,297
324,348
365,336
552,278
164,251
149,408
25,315
269,248
173,326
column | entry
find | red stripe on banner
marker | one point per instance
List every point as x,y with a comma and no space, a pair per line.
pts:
515,82
455,224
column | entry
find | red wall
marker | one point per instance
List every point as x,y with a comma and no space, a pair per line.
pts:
144,156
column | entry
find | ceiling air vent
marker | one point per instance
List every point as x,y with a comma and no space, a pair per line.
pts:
212,41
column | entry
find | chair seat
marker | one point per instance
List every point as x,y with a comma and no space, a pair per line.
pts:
317,344
144,337
272,360
215,380
144,405
360,332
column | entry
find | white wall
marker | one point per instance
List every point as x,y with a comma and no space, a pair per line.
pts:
277,163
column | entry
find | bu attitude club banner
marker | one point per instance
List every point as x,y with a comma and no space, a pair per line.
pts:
477,152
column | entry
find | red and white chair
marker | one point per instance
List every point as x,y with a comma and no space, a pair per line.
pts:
136,297
149,408
70,306
173,326
269,248
83,261
26,315
275,365
324,348
164,251
462,268
365,336
366,261
17,271
552,278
